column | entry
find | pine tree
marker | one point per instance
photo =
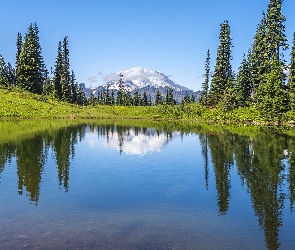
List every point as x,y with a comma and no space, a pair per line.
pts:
159,98
31,68
121,95
65,77
187,98
205,85
271,90
276,37
273,99
74,88
169,97
7,73
258,56
144,100
291,81
136,100
58,71
243,87
19,43
222,79
92,100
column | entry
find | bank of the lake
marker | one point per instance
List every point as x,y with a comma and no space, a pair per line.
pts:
24,105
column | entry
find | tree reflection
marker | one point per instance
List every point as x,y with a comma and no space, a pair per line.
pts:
259,161
31,156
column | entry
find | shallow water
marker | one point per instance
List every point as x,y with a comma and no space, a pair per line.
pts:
118,186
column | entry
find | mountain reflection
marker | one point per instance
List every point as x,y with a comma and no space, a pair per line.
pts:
264,160
265,163
137,141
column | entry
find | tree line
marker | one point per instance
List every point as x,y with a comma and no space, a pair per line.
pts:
261,80
30,72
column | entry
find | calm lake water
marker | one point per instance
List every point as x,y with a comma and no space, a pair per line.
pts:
145,186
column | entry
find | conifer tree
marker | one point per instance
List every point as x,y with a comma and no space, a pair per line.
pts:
7,73
144,100
19,43
187,98
276,37
58,71
159,98
257,57
74,88
271,92
205,84
92,100
169,97
31,68
65,77
136,100
243,88
291,81
222,79
121,96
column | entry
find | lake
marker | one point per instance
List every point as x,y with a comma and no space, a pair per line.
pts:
135,185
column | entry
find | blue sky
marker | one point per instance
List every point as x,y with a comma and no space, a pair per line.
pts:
106,36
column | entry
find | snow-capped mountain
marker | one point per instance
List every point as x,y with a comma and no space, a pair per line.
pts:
143,80
139,77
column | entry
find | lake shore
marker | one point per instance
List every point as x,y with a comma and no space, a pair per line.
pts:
24,105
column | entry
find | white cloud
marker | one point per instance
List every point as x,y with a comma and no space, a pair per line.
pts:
135,74
92,79
140,144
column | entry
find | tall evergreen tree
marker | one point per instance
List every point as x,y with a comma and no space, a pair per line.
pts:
291,81
31,68
205,84
276,37
136,100
65,78
19,43
144,99
243,88
7,73
222,79
58,71
121,95
271,94
159,98
258,56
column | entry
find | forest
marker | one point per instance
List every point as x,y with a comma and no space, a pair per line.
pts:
264,82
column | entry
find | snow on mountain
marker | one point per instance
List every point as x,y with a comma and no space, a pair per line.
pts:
139,77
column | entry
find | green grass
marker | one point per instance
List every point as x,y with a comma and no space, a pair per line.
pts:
23,105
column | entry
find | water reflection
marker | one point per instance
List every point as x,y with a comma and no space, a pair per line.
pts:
265,163
263,159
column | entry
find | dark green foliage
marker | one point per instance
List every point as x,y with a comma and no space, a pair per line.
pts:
159,99
136,100
144,99
7,73
243,87
169,97
19,43
58,72
258,55
222,79
121,94
272,94
31,68
205,84
291,81
276,37
92,100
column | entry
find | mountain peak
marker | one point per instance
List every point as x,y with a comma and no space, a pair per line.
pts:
139,77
